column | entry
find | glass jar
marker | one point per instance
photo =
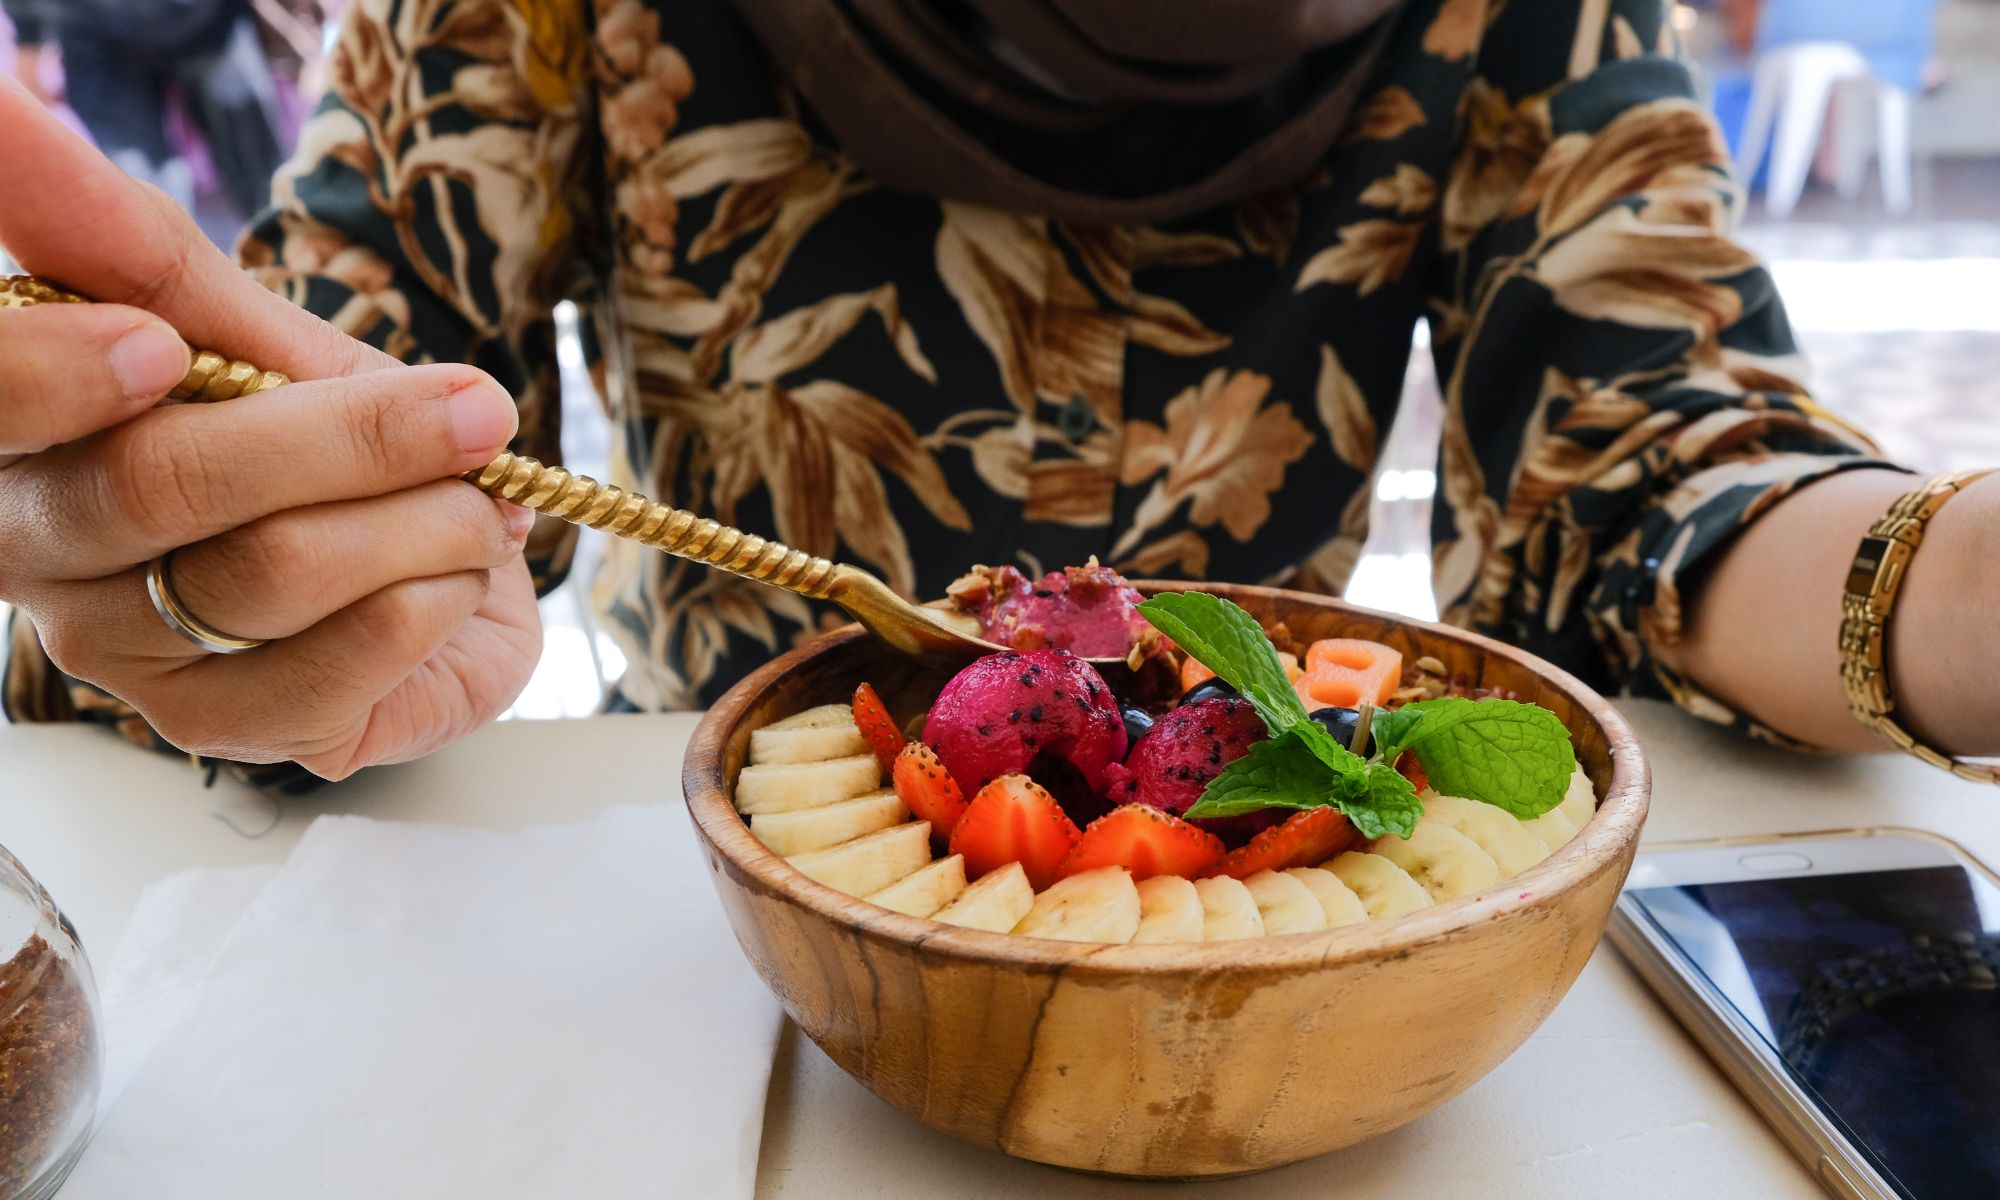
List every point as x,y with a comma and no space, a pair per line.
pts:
51,1044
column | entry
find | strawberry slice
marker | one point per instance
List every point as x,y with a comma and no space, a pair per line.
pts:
927,789
1306,839
878,728
1412,770
1014,819
1145,841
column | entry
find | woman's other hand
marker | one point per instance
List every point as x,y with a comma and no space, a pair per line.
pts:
322,517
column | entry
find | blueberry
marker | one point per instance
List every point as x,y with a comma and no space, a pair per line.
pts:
1138,723
1209,689
1341,723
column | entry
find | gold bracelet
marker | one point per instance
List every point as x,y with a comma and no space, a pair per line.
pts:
1873,583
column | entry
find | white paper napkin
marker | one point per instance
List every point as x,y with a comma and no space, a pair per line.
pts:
412,1011
174,937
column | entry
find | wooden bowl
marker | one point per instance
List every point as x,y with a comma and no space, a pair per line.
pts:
1170,1060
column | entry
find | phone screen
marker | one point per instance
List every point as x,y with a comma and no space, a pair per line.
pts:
1878,992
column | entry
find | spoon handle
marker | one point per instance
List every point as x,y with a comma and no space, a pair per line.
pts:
551,490
210,376
581,500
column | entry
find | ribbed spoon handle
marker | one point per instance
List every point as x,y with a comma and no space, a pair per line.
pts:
581,500
578,499
210,376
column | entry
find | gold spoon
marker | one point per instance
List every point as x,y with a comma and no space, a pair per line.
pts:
581,500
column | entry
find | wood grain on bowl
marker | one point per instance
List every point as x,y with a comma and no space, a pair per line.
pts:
1171,1060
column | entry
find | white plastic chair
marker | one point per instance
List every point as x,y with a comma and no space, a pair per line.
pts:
1790,91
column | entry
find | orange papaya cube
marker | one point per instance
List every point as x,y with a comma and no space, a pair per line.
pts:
1343,672
1354,653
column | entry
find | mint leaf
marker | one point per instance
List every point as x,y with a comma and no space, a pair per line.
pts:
1397,730
1514,756
1278,773
1327,748
1230,642
1393,728
1381,801
1284,773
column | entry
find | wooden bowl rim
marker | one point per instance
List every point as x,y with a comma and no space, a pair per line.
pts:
1597,847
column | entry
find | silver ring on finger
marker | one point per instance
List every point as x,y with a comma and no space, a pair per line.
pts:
160,587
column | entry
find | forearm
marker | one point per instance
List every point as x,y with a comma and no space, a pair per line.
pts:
1762,629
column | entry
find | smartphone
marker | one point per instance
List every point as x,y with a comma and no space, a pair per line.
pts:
1846,982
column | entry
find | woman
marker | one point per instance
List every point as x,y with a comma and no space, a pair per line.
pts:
928,284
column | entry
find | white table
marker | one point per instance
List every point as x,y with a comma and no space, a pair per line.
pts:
1607,1098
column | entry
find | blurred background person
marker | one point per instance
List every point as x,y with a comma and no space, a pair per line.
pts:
128,66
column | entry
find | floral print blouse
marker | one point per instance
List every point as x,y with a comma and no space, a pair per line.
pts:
918,385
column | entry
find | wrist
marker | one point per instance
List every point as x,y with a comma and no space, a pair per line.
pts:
1943,646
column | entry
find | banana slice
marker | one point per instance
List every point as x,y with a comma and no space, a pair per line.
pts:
1284,904
1553,828
1446,862
1090,906
829,825
1228,910
926,891
1493,830
1385,889
1580,801
995,902
789,787
1337,901
870,863
814,735
1169,910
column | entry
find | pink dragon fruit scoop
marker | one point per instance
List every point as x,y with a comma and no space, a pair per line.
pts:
1005,711
1185,749
1089,610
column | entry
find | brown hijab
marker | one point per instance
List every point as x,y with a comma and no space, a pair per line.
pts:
1095,111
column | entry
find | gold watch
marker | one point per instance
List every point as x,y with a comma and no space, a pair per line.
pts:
1873,583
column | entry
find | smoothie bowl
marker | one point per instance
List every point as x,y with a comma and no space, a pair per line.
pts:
1106,978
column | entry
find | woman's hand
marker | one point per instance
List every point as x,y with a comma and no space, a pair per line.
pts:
323,516
1762,627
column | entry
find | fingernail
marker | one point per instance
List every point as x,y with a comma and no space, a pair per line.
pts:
482,418
148,361
519,520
